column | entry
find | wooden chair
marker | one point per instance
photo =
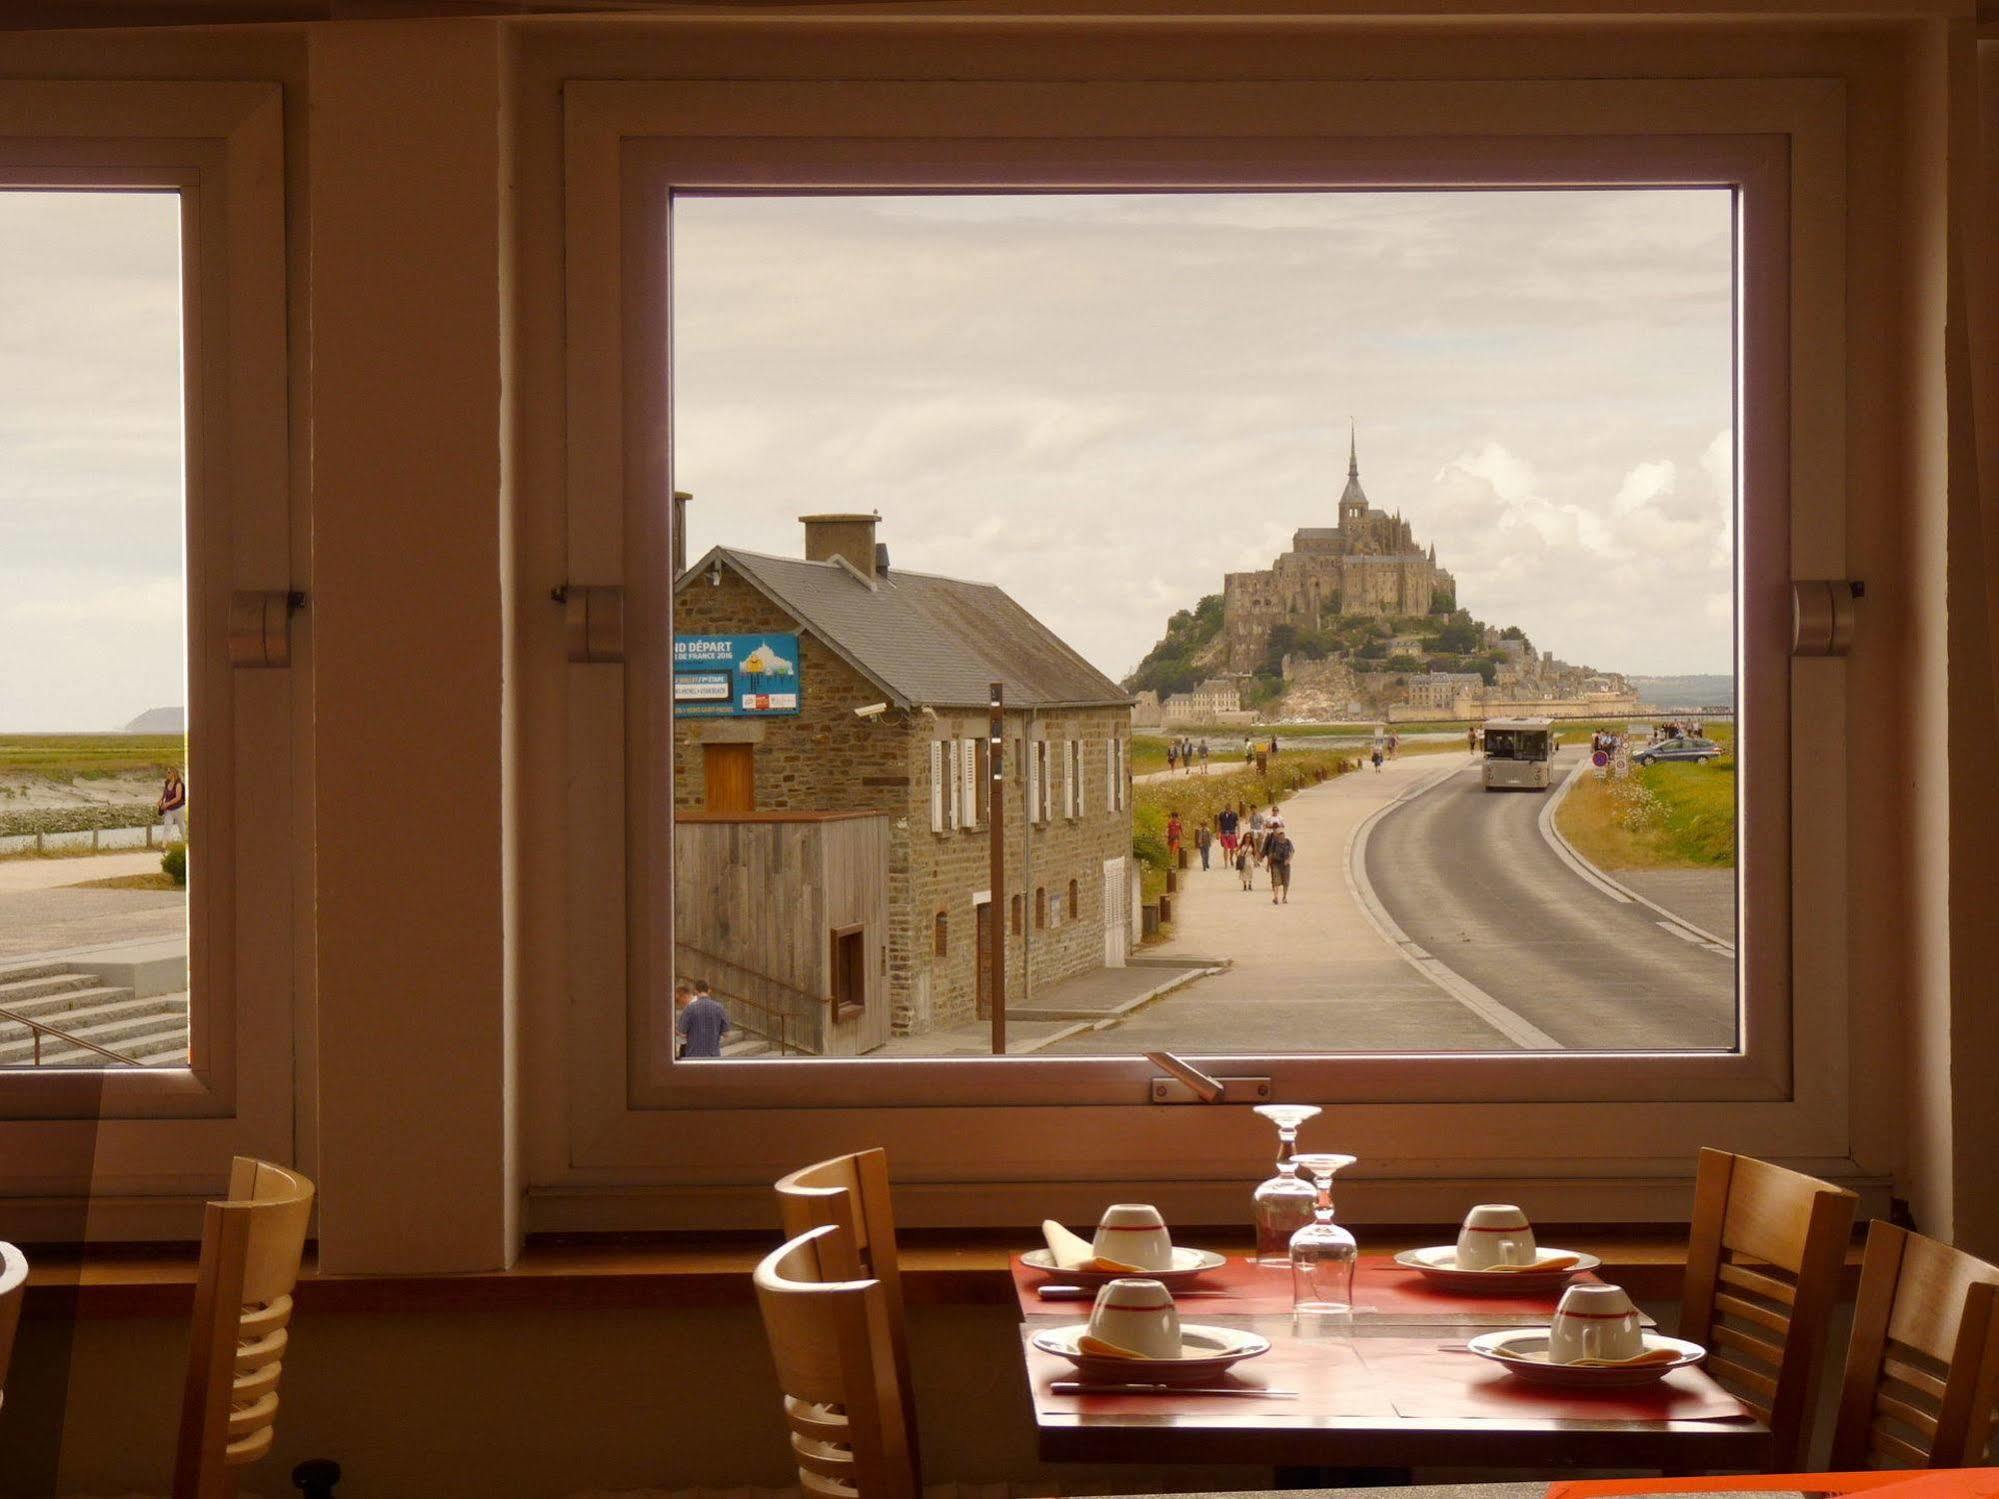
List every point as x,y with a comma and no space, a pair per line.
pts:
851,1192
843,1400
250,1251
1922,1367
13,1285
1764,1259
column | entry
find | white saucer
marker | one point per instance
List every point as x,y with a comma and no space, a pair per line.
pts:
1439,1266
1187,1263
1525,1352
1204,1353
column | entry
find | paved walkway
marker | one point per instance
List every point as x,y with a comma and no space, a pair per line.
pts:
52,874
1706,897
1312,975
39,914
1073,1006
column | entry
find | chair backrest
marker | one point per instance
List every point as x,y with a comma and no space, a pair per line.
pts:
1922,1368
843,1402
1765,1254
851,1192
13,1285
250,1251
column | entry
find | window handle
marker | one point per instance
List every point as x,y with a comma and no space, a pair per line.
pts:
1189,1084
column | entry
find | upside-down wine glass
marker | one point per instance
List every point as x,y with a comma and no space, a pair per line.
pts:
1284,1203
1323,1254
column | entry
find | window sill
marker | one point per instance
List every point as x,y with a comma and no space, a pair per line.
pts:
686,1271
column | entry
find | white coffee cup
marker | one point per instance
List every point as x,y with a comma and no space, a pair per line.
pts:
1495,1233
1594,1321
1133,1233
1139,1315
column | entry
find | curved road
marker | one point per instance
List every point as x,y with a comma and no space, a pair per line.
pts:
1468,876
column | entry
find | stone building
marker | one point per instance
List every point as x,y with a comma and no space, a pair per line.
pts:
1369,563
1440,690
1213,701
889,715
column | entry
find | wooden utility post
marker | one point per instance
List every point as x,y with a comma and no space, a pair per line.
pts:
996,772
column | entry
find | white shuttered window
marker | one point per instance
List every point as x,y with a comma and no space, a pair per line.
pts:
936,786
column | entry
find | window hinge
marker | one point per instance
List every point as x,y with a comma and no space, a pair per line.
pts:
594,619
260,626
1822,616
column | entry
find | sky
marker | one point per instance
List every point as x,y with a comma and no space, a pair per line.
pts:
92,612
1105,402
1100,402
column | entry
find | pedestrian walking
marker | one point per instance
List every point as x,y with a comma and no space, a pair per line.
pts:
1471,740
1204,839
1172,756
1277,854
172,807
1175,831
1256,832
1226,825
1248,753
702,1024
1394,743
1376,757
1273,824
1245,865
1273,746
1204,757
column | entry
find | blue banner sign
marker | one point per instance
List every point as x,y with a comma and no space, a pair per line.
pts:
735,676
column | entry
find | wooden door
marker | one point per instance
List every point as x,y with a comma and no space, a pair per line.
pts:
984,958
729,776
1117,912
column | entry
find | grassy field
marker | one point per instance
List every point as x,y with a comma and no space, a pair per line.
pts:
1660,817
87,756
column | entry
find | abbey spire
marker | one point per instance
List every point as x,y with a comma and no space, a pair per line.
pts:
1353,500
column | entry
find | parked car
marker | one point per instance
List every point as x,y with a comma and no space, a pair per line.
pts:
1685,747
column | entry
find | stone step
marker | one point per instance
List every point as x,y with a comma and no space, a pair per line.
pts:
52,1008
748,1046
46,968
14,990
126,1025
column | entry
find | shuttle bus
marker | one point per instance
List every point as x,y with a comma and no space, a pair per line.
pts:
1518,752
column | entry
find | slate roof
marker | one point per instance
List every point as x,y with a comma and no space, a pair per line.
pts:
926,641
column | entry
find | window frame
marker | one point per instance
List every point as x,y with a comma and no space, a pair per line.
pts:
126,1131
1780,141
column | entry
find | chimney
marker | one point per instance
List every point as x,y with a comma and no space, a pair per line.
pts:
680,499
851,537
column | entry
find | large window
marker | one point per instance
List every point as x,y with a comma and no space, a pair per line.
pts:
1431,709
146,711
95,814
1055,439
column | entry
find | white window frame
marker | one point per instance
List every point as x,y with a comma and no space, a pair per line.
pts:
630,145
150,1143
937,799
968,773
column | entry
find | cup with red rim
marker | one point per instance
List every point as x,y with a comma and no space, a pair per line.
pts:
1494,1234
1139,1315
1595,1322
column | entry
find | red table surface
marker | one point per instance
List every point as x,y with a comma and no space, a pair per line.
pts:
1381,1287
1390,1377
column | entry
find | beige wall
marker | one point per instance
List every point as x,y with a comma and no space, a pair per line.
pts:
427,399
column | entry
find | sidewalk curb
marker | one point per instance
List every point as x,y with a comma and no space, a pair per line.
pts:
1609,884
1516,1028
1124,1007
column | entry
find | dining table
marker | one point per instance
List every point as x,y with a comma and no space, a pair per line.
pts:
1396,1387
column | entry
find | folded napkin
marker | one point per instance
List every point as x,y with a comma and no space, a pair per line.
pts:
1092,1344
1649,1356
1541,1267
1073,1252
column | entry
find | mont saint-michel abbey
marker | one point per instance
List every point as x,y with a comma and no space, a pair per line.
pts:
1368,564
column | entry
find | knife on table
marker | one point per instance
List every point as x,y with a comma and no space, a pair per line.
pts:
1077,1387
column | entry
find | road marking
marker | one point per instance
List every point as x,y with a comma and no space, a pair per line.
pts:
1703,938
1683,934
1515,1027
